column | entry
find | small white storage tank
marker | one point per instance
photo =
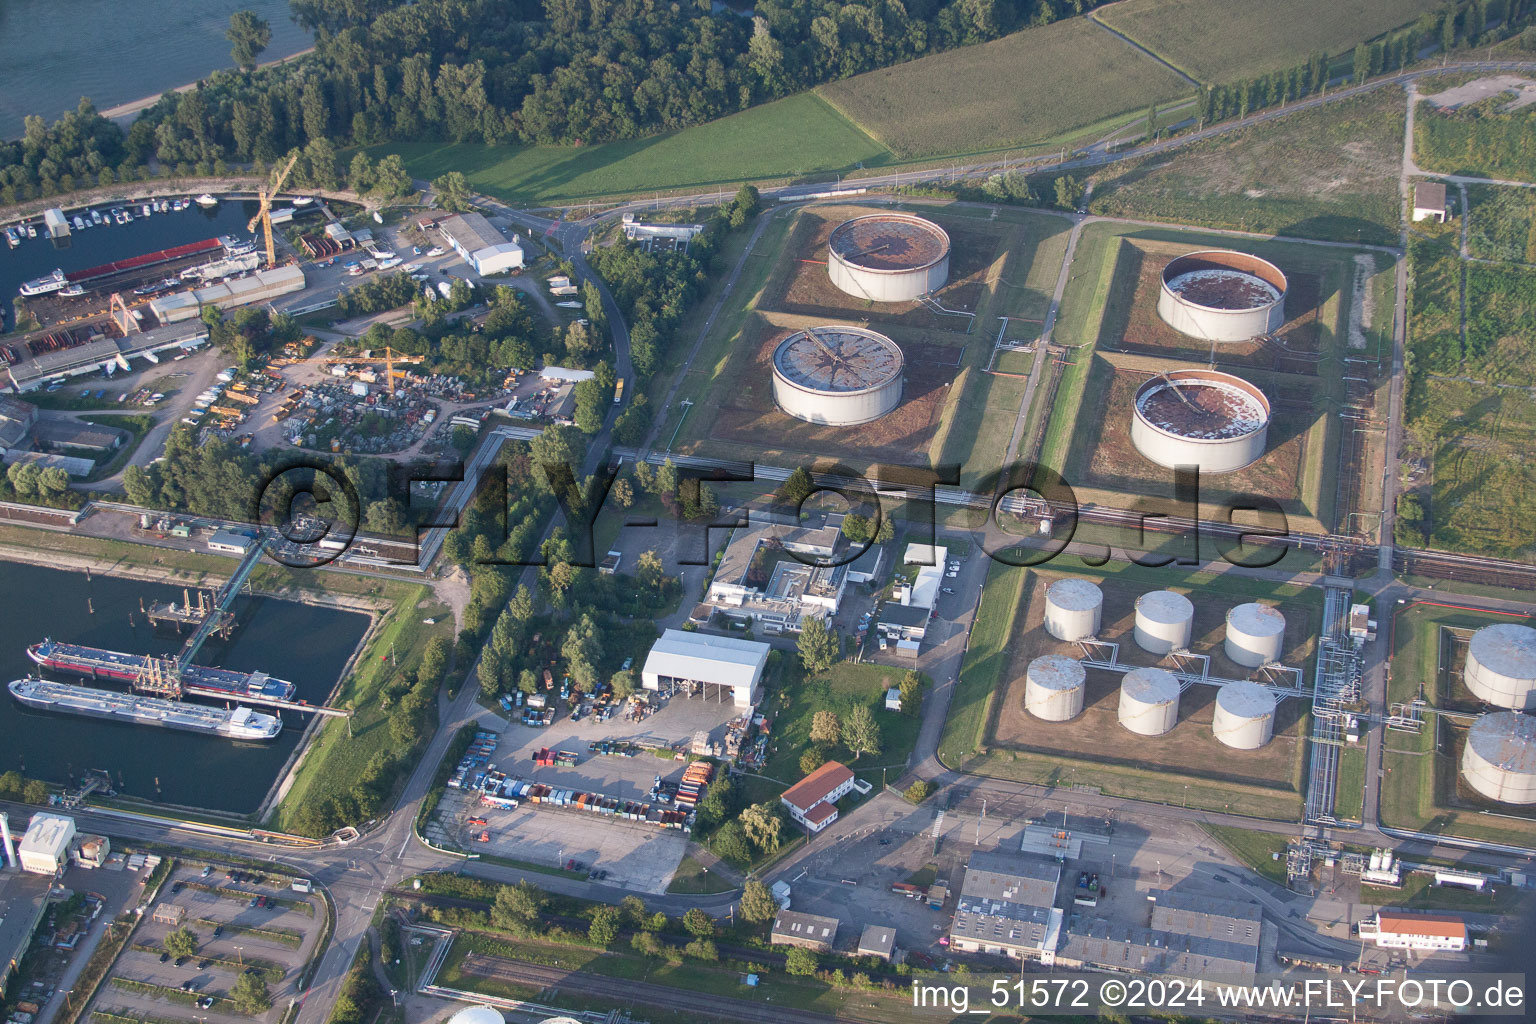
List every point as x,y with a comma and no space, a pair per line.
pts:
1073,609
1499,760
1255,634
1053,688
1501,666
1149,701
1245,715
1165,621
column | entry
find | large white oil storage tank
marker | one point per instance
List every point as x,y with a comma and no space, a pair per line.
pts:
1204,418
1499,760
888,257
1149,701
1501,666
1221,295
838,375
1245,715
1073,609
1054,686
1165,621
1255,634
478,1014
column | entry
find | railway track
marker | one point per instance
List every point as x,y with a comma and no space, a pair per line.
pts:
1495,572
627,991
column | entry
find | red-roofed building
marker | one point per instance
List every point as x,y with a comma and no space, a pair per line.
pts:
1395,930
811,800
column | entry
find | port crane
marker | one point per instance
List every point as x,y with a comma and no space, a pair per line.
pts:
163,676
264,214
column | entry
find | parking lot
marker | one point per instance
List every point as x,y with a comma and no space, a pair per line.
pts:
635,855
233,937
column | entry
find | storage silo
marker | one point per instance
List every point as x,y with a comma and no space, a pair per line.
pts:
1245,715
1165,621
888,257
837,375
1149,701
1073,609
1205,418
1501,666
1499,760
1053,688
1221,295
1255,634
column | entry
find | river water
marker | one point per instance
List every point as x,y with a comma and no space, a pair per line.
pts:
52,52
144,761
35,257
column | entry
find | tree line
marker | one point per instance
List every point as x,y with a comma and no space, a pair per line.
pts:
495,71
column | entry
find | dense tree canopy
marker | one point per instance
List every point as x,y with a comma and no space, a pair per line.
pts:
560,71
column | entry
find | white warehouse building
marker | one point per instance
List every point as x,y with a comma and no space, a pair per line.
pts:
45,847
481,245
722,663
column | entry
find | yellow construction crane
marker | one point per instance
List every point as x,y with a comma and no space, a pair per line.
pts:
389,361
264,214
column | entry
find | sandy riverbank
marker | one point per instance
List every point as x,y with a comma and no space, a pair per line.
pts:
127,111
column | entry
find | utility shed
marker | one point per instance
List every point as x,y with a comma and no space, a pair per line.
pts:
722,664
45,847
169,913
1429,201
878,940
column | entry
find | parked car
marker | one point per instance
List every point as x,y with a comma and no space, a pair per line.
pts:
217,931
165,958
205,1002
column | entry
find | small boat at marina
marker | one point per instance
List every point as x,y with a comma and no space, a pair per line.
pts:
72,290
13,236
43,285
206,200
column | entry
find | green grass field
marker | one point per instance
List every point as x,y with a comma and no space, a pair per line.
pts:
788,139
1224,40
985,659
1501,224
1255,849
1470,413
692,877
1349,795
1328,172
1481,139
838,689
335,759
1029,88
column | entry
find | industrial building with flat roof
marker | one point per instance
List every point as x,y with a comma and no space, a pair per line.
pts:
811,931
724,663
813,800
480,244
767,572
1007,906
1189,936
16,421
23,902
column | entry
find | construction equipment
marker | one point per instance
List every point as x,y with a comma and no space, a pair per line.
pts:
264,214
389,361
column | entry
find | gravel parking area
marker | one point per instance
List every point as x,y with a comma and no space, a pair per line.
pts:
637,856
275,939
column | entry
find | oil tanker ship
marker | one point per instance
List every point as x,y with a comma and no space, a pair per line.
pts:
95,663
231,724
